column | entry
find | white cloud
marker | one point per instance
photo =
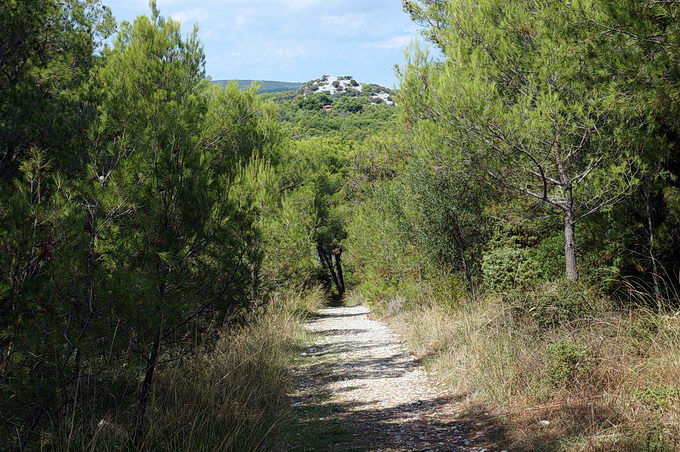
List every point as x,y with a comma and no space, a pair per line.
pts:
291,53
395,42
205,35
243,16
190,16
289,4
345,21
298,4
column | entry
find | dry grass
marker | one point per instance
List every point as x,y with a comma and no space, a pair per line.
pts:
353,299
233,397
605,382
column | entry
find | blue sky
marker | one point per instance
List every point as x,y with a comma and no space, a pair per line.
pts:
291,40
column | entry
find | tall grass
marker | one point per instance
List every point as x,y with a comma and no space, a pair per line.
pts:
232,397
607,379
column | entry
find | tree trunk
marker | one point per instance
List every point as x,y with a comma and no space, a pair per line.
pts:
338,266
151,362
255,276
569,239
461,248
322,259
652,257
327,262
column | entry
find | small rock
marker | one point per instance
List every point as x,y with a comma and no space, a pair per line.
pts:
544,423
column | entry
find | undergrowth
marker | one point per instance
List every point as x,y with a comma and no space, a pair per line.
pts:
559,371
231,397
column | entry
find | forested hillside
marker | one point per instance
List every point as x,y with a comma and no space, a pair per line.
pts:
268,86
512,210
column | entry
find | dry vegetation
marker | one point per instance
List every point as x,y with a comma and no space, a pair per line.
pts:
606,381
233,397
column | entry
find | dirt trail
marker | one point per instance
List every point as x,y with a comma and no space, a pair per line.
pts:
358,383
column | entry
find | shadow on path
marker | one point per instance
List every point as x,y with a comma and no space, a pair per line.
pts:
360,391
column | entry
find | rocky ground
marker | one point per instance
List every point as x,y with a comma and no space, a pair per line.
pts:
359,390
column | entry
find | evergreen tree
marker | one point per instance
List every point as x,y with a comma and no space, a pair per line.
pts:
520,96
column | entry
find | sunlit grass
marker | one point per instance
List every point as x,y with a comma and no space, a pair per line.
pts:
617,385
233,397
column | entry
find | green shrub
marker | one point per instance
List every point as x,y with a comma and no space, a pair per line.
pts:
655,441
350,104
353,82
548,255
508,268
553,303
566,363
659,396
313,102
448,290
644,327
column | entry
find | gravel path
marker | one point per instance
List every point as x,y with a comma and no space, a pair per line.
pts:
375,390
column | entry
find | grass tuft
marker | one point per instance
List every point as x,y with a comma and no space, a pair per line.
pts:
603,379
231,397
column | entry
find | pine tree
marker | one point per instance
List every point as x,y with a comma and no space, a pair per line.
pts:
522,96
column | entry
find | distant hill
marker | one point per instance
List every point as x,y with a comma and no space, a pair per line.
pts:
268,86
335,86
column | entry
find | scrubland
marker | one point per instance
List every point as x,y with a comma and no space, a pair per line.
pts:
603,378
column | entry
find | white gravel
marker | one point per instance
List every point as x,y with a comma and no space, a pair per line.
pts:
378,390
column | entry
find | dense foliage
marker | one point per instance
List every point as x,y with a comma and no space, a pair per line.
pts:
352,118
521,225
539,138
143,209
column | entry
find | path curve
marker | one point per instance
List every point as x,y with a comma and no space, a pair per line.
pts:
378,391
